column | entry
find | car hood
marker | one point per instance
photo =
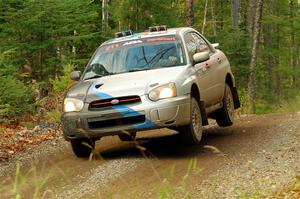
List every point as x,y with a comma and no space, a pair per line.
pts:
131,83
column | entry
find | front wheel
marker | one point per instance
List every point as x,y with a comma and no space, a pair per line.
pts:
225,115
82,148
192,133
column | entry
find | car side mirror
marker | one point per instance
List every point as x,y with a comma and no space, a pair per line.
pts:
75,75
201,57
216,45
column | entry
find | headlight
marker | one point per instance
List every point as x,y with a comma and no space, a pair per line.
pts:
163,92
73,105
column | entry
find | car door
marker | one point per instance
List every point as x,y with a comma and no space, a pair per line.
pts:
206,71
216,69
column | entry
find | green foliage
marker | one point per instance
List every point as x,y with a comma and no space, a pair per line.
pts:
29,124
62,83
138,15
53,117
292,190
16,98
18,177
14,188
53,101
166,191
278,105
43,33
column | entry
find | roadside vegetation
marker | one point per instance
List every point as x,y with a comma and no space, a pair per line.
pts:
16,98
292,190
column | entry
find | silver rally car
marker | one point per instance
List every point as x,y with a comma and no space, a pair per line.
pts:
171,78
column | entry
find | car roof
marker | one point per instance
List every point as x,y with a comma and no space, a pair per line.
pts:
147,34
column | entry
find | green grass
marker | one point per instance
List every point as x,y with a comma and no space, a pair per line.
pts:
2,129
53,117
282,106
16,186
288,106
272,103
291,191
29,124
168,190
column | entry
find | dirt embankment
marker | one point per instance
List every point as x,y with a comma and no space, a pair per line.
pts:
255,157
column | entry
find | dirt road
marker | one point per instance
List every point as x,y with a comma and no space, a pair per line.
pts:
255,157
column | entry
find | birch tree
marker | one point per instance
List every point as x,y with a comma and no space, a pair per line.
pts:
104,16
255,46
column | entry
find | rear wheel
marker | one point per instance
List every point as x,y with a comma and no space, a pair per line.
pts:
82,148
225,115
192,133
127,136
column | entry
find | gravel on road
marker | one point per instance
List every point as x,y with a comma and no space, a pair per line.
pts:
256,157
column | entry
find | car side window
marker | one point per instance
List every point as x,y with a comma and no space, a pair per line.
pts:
195,44
200,43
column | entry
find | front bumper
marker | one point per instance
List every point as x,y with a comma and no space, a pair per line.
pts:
145,115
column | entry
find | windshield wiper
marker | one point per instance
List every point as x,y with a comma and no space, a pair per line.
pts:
138,69
159,55
93,77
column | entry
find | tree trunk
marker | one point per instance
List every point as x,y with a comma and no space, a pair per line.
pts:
244,14
255,47
137,15
251,13
204,17
190,13
293,44
277,83
40,63
235,7
214,20
268,38
104,16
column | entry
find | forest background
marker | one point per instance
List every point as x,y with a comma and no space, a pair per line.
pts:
42,41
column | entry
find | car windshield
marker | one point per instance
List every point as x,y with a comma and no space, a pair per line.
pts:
135,55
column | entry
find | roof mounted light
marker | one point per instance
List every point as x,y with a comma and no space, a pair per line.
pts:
157,28
119,34
124,33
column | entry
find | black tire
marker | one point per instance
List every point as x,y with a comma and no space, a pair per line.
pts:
127,137
225,115
192,133
82,148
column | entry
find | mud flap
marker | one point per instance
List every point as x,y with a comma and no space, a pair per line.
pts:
236,100
203,114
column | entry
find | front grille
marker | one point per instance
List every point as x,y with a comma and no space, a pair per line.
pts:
117,122
114,102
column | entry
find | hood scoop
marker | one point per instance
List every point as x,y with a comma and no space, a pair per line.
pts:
98,86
